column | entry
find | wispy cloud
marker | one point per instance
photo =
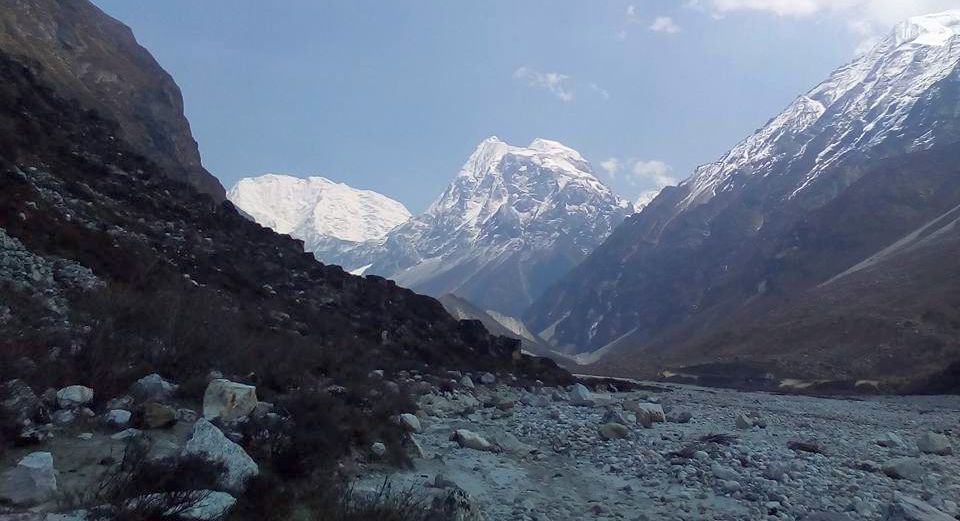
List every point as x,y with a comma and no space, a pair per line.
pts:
664,24
555,83
600,91
611,166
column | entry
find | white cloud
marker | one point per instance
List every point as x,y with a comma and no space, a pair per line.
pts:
554,82
868,19
611,166
633,14
653,172
602,92
664,24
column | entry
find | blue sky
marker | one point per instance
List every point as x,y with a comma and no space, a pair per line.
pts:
394,95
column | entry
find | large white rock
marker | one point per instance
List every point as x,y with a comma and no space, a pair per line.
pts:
933,443
117,418
905,508
31,482
74,396
228,400
209,442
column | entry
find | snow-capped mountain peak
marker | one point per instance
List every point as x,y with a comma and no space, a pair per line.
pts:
317,209
512,221
861,108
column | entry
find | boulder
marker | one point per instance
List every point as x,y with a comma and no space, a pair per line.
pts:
905,468
117,418
471,440
653,411
933,443
228,400
410,422
488,379
33,481
454,504
891,441
63,417
207,441
613,431
582,396
744,422
152,388
467,383
618,416
158,416
905,508
19,401
74,396
378,449
680,417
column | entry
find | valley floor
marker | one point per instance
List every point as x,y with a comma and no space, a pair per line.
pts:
554,465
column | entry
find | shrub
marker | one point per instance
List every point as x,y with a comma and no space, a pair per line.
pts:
143,489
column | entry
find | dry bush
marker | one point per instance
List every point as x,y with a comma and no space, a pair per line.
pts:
143,489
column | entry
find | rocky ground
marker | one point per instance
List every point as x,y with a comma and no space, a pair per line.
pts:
720,455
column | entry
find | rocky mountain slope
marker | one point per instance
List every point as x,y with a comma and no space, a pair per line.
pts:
511,223
330,218
93,59
755,244
111,269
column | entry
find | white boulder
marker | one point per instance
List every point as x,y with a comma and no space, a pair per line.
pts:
209,442
652,411
74,396
580,395
933,443
228,400
410,422
33,481
117,418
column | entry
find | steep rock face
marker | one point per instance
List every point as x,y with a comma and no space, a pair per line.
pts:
512,222
330,218
92,58
847,170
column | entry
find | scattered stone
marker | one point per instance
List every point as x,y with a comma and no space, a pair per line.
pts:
891,441
905,508
613,431
933,443
122,402
378,449
117,418
126,434
208,441
744,422
488,379
63,417
582,396
153,388
471,440
905,468
74,396
467,382
158,416
33,481
228,400
410,422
